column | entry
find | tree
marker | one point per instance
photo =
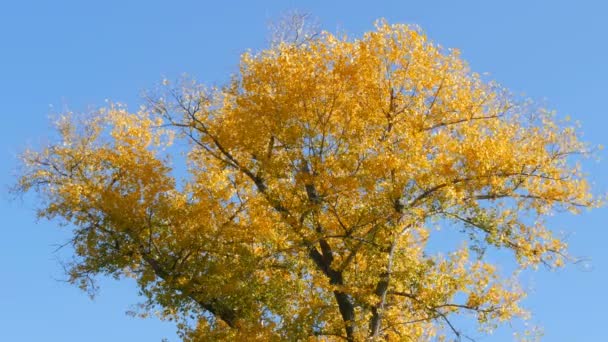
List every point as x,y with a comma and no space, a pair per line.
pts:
314,180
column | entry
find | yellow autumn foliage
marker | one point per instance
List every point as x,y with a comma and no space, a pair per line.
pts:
314,180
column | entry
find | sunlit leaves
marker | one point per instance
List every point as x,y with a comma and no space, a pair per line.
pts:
314,180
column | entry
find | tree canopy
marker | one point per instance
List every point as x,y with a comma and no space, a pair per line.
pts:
314,180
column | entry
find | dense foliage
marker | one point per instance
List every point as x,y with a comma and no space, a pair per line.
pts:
314,180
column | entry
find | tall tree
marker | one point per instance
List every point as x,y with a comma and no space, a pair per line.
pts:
314,180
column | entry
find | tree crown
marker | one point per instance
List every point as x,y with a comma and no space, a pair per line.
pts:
314,180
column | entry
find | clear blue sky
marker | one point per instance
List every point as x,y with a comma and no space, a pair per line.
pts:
78,53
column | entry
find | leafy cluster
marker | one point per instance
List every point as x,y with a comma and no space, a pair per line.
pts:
313,179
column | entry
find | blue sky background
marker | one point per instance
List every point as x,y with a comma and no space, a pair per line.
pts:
77,53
